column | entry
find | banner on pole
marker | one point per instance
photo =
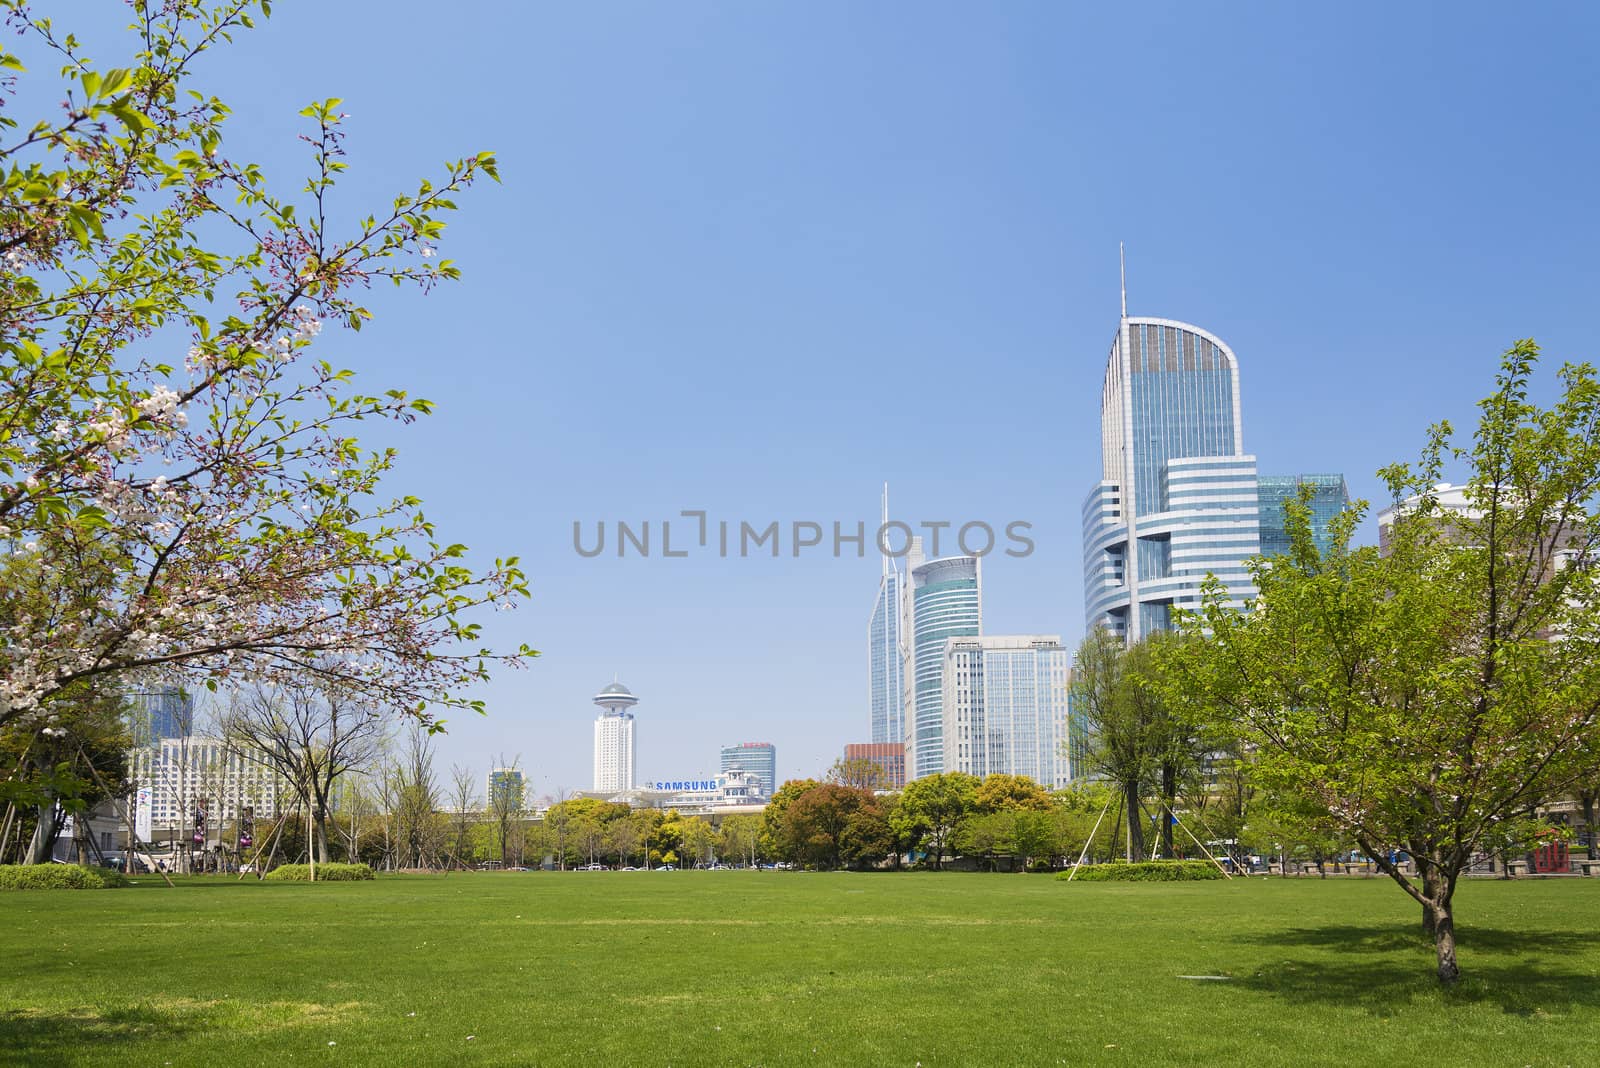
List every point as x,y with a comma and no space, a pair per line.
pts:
142,815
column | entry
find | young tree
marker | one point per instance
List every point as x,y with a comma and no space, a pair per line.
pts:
935,806
309,735
1123,720
1425,695
740,834
858,774
464,815
504,806
171,454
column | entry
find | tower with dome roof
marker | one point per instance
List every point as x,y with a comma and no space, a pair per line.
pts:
613,739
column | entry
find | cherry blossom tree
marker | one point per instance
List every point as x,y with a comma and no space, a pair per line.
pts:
181,489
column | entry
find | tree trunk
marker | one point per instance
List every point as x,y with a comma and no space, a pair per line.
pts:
1444,933
1135,826
1430,894
44,835
1169,796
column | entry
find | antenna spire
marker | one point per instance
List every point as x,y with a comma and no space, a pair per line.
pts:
1122,256
883,557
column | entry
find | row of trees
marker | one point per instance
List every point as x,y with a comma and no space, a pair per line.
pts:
998,820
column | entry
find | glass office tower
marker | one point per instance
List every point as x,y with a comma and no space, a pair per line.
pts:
1329,497
946,602
1178,498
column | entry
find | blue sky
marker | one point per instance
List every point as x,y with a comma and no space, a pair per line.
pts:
760,258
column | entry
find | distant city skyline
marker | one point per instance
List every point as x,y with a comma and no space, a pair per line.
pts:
714,279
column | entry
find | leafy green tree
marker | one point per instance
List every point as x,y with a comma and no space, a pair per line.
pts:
740,835
170,451
934,807
1428,693
1009,792
832,826
857,773
775,838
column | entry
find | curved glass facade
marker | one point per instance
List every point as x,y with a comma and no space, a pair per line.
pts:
1178,495
945,603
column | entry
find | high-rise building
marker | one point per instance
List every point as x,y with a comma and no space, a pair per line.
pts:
160,712
945,601
1005,707
1329,497
885,654
1177,498
890,757
613,739
759,759
185,772
505,789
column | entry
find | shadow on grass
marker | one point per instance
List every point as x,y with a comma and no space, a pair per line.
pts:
33,1037
1521,972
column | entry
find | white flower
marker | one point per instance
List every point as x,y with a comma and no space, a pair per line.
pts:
427,251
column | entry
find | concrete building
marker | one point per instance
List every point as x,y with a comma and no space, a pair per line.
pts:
614,759
759,759
1005,707
945,600
184,774
889,756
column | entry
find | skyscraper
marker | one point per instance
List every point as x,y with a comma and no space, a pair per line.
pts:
161,712
613,739
1005,707
885,657
505,790
945,602
1177,498
1329,497
757,758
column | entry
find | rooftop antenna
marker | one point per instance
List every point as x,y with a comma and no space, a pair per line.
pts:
1123,257
883,557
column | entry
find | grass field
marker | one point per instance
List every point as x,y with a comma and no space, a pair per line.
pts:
774,968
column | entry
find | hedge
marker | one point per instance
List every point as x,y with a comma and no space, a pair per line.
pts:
1146,871
326,873
57,877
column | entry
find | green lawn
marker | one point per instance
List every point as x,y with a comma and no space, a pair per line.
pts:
744,968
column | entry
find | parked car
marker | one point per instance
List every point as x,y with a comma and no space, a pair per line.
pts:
666,867
594,867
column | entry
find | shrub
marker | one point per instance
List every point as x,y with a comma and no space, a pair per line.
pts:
56,877
1147,871
326,873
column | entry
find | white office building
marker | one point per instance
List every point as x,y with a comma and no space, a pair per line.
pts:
614,758
1005,707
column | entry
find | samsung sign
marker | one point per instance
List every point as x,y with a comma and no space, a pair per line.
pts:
685,784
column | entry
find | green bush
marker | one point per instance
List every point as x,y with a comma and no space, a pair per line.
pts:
57,877
326,873
1147,871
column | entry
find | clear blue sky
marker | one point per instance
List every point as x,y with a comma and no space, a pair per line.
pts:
759,258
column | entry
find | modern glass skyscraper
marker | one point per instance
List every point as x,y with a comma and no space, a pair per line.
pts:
885,658
759,759
1329,497
945,602
163,712
613,739
1178,497
1005,707
505,790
